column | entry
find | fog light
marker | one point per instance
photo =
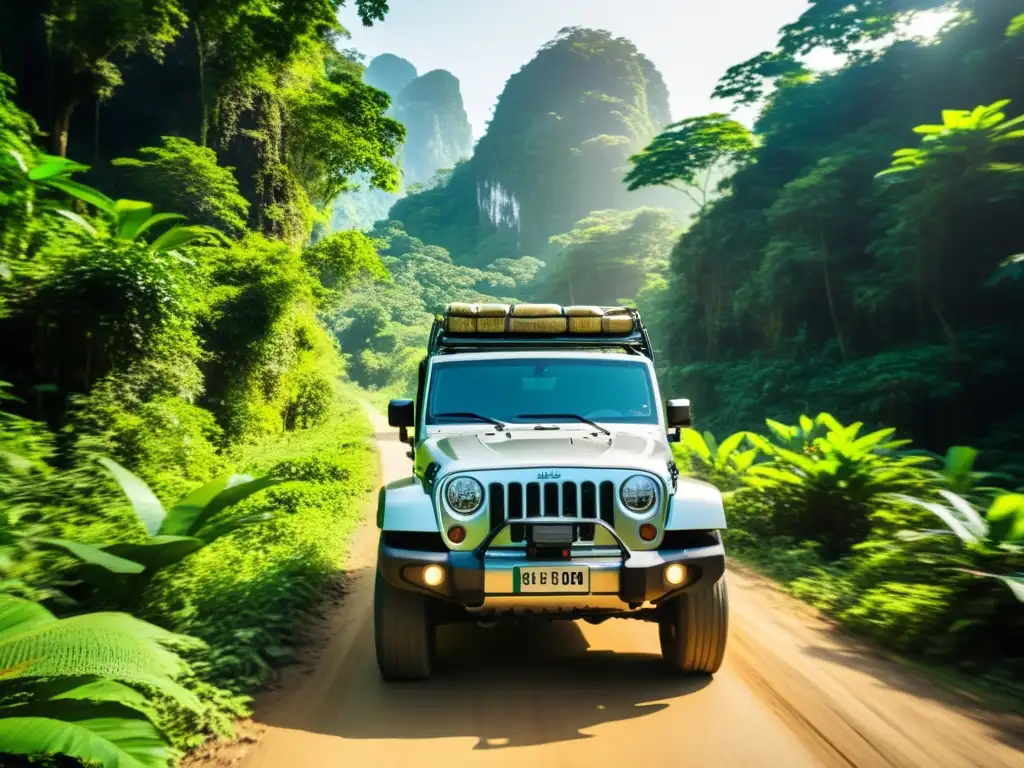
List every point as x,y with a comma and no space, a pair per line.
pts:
456,534
433,575
648,532
675,574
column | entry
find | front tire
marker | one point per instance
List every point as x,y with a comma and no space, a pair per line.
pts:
693,629
404,632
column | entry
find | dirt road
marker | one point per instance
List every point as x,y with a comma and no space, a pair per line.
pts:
792,693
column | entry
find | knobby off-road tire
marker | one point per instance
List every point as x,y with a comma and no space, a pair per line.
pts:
403,631
693,629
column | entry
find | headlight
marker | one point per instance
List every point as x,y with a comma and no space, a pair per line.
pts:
639,494
464,495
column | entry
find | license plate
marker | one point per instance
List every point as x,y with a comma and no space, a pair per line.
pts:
553,578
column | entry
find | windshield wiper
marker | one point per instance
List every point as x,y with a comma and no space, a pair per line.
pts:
468,415
576,416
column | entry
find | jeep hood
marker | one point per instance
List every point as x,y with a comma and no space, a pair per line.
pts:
518,449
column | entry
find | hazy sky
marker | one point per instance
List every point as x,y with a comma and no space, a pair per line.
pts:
483,42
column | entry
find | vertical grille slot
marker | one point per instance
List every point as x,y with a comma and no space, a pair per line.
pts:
533,499
515,510
588,504
608,502
551,500
569,500
496,504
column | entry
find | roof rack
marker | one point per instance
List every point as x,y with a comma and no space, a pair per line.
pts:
489,327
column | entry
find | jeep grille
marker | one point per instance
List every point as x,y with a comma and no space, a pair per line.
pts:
568,500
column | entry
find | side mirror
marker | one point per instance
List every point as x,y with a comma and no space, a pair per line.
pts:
677,413
401,413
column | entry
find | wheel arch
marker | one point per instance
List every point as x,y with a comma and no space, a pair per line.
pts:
403,505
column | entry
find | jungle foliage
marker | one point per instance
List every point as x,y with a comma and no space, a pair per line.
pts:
921,552
179,466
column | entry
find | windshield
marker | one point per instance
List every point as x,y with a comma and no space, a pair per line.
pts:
615,391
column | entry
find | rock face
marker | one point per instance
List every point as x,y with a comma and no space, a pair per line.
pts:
438,135
390,73
556,149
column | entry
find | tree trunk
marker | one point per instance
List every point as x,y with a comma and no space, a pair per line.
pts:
61,125
204,108
828,293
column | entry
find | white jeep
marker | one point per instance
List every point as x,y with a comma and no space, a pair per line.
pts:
544,485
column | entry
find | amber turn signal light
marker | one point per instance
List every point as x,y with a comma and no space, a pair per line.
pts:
648,532
456,534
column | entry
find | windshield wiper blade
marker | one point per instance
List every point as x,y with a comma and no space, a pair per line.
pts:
576,416
469,415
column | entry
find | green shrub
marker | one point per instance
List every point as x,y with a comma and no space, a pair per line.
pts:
249,595
905,616
184,177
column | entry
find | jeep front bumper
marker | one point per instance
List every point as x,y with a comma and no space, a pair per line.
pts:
483,580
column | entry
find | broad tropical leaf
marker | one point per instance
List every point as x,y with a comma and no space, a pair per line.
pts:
21,616
110,742
1014,581
969,516
1006,518
51,166
130,216
145,503
156,219
92,555
177,237
694,442
215,530
157,551
952,521
728,448
115,646
80,221
187,516
82,192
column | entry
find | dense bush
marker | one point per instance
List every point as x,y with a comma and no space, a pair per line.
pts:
182,355
886,539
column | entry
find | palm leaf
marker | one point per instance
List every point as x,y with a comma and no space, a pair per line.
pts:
145,503
110,742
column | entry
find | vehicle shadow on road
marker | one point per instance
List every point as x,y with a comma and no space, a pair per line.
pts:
514,686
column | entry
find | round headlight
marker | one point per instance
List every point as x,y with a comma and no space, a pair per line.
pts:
639,494
464,495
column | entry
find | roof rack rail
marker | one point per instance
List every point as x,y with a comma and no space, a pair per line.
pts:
489,327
